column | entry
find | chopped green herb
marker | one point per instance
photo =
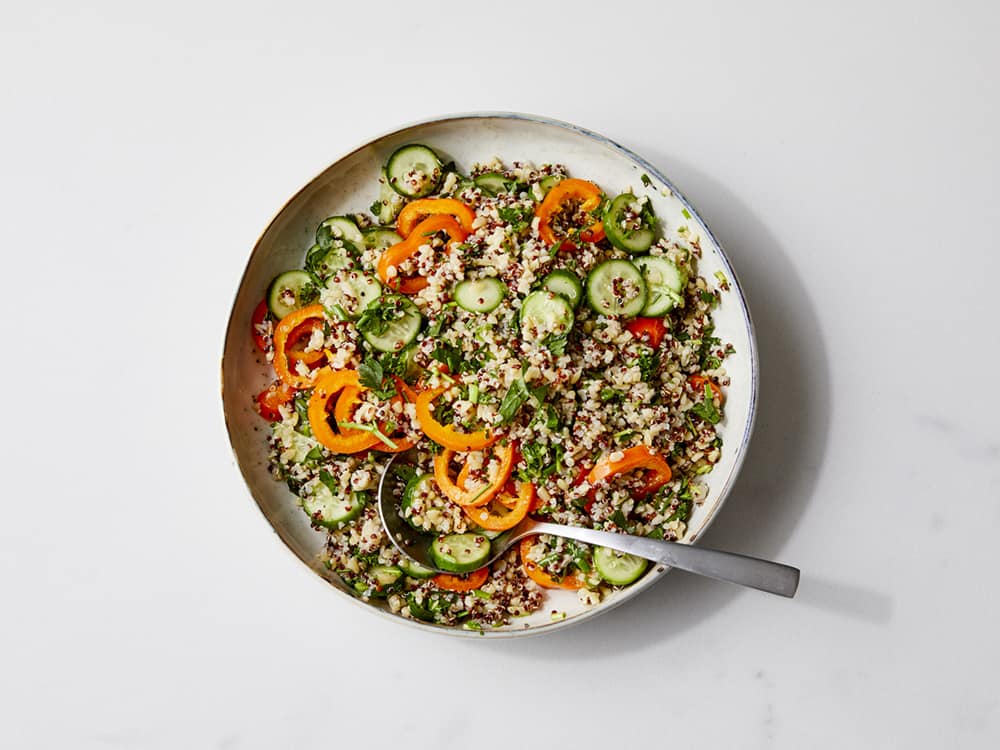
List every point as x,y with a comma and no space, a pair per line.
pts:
372,377
687,214
513,400
645,180
706,407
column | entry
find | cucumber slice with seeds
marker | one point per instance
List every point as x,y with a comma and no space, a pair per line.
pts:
665,283
289,291
333,511
616,287
389,201
547,183
480,295
415,570
618,568
422,483
493,183
460,553
629,223
324,261
398,332
348,292
380,238
565,283
341,228
386,577
544,314
414,171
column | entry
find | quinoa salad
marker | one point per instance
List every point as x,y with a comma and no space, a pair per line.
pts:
537,347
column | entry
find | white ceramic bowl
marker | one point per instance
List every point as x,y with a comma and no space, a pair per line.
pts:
350,185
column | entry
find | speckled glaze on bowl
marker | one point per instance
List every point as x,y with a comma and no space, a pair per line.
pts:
350,185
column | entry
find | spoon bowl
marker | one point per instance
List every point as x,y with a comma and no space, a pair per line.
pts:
764,575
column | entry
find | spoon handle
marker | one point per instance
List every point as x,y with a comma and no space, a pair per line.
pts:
753,572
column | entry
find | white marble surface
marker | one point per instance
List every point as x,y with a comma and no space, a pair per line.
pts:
847,157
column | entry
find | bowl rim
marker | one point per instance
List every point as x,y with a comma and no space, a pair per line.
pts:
655,572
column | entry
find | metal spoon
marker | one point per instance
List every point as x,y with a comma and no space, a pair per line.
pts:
764,575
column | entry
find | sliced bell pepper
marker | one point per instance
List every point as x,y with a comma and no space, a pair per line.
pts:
698,382
471,498
286,326
560,198
639,457
652,330
468,582
497,517
259,316
539,576
393,256
304,331
275,395
415,212
330,383
447,435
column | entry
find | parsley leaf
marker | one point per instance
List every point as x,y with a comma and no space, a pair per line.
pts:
518,217
448,355
706,407
557,344
649,363
372,376
645,180
375,207
541,460
330,481
513,400
375,318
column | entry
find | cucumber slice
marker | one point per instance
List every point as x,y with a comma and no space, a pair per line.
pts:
460,553
616,287
547,183
386,577
629,224
544,314
289,291
493,183
415,570
400,331
420,483
618,568
565,283
480,295
322,262
389,201
665,283
333,511
341,228
348,292
413,171
491,535
380,238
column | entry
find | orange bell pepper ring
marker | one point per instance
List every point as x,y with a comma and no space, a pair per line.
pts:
639,457
497,517
469,582
393,256
447,435
415,212
304,331
457,493
558,199
330,383
282,333
538,575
